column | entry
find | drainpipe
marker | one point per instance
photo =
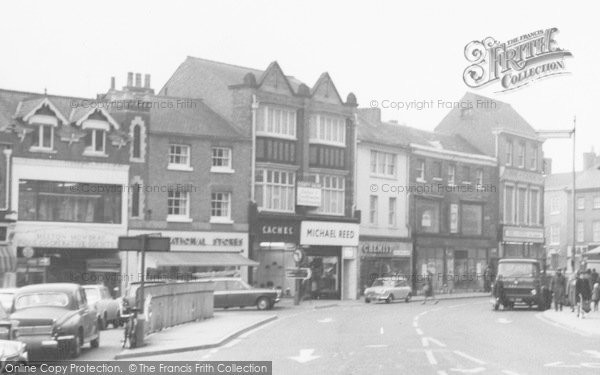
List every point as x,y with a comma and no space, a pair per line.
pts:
355,158
253,159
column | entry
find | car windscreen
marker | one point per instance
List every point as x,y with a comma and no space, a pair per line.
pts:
55,299
517,270
92,295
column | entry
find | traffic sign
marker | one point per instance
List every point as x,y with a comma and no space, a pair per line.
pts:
298,255
298,273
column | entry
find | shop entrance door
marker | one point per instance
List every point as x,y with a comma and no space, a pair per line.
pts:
325,280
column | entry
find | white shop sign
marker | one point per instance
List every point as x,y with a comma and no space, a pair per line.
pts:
328,233
202,241
87,236
309,194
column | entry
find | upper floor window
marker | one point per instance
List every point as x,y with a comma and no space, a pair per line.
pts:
221,159
596,202
95,142
580,231
392,212
275,190
555,234
466,174
373,209
220,207
471,219
136,142
328,129
554,205
521,155
534,206
479,177
451,174
596,231
277,122
178,205
420,170
509,152
534,157
437,170
383,163
509,204
43,137
332,194
522,206
179,157
581,203
428,215
135,200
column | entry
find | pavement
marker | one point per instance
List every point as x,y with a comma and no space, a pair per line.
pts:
206,334
589,325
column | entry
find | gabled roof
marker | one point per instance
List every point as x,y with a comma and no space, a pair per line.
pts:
192,117
273,70
28,108
81,114
325,79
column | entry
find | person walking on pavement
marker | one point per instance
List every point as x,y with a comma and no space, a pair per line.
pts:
594,277
487,282
583,293
571,296
429,289
558,288
596,295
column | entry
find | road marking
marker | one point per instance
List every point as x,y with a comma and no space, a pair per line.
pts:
231,343
425,341
430,357
306,355
473,359
468,370
419,332
415,324
326,320
381,330
504,321
376,346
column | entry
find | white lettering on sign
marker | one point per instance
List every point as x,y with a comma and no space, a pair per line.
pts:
385,248
203,241
329,233
278,229
89,236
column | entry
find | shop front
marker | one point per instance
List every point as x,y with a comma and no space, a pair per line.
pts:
193,254
383,257
331,250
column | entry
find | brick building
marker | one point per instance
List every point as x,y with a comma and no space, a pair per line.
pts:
498,131
303,169
189,179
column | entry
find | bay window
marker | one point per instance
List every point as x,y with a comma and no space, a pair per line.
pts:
275,190
276,121
332,193
328,129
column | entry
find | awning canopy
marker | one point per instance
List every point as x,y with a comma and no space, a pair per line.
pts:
197,259
595,251
8,260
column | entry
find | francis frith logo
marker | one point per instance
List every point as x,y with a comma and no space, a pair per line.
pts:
515,63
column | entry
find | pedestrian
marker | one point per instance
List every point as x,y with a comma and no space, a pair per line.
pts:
558,287
596,295
572,297
487,282
428,289
594,277
584,294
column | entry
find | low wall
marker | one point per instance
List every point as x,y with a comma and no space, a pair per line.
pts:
171,304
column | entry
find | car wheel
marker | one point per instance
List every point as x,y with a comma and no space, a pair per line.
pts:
263,303
77,344
389,299
407,299
367,300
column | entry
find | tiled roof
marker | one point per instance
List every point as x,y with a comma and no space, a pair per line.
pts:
18,104
188,117
588,179
393,134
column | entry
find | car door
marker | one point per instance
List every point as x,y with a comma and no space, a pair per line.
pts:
400,289
220,294
238,294
86,314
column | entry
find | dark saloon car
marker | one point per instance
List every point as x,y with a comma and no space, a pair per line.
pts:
234,292
55,317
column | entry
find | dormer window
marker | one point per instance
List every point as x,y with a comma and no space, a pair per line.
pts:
95,142
43,138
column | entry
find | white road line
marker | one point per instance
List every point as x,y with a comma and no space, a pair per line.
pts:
415,324
468,370
376,346
473,359
231,343
425,341
430,357
419,332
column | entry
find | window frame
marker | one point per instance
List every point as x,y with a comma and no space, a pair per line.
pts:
509,152
451,181
91,149
265,186
582,205
317,121
373,209
392,212
262,128
180,166
538,203
341,182
221,168
596,231
390,160
512,203
186,217
224,219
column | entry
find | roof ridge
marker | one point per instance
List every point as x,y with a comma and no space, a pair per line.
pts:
42,95
225,63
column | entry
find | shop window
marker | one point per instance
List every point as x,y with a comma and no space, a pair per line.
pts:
69,202
428,215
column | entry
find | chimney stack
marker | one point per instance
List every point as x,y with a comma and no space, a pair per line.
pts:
138,79
547,167
129,79
112,83
147,81
589,159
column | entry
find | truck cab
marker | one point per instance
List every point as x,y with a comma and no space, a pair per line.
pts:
520,281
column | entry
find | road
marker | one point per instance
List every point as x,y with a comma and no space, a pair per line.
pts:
452,337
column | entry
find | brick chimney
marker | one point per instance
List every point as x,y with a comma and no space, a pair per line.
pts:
138,79
129,79
589,159
147,81
372,115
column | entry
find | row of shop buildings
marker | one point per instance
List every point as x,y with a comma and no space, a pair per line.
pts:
241,167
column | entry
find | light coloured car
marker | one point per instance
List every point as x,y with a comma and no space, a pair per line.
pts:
389,289
234,292
108,308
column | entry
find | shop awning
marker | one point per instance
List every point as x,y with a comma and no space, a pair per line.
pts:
197,259
8,260
595,251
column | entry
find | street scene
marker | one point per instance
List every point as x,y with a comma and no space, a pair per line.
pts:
203,196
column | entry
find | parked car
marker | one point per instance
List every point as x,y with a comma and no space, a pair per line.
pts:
55,317
6,297
388,290
234,292
99,299
11,351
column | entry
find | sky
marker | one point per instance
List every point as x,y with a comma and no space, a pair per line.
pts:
391,51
